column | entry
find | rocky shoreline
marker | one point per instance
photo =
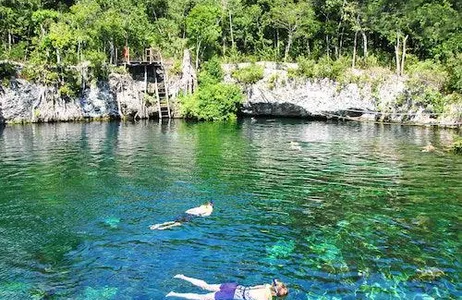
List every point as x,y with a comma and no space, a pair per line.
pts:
276,95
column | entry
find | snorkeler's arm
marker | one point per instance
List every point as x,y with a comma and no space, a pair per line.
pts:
200,283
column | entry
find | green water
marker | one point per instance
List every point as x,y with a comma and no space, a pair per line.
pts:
335,210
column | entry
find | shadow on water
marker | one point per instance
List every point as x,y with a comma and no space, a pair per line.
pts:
334,209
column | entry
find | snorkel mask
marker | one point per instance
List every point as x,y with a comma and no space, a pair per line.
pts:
211,203
275,286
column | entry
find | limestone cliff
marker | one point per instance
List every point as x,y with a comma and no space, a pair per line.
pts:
279,94
24,101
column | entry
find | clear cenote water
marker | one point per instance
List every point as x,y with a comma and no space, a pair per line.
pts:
344,210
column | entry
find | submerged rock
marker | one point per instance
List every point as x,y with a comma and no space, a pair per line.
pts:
282,249
112,222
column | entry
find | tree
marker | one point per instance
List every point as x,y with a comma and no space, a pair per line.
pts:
296,17
203,28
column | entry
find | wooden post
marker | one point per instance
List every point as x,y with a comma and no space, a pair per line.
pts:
145,89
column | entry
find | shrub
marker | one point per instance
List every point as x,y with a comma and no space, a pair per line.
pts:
455,74
428,73
212,102
306,68
211,72
98,65
456,146
324,68
248,75
66,91
119,70
272,81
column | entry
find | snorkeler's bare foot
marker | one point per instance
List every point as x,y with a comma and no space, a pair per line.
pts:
179,276
171,294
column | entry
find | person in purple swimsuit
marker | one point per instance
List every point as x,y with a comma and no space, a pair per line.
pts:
232,291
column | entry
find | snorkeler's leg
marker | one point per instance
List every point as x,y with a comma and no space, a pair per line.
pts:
192,296
169,226
157,226
200,283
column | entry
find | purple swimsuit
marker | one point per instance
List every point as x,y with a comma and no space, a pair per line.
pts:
227,291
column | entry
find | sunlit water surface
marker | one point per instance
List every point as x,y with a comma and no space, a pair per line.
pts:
345,210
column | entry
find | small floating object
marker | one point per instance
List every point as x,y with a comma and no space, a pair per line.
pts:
112,222
295,146
428,148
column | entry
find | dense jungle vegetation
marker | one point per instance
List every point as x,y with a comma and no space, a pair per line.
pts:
54,38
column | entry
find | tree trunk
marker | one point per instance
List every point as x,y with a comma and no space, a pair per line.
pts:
10,40
403,56
340,46
111,49
231,30
397,58
198,47
353,62
364,44
58,57
79,58
277,42
327,46
289,44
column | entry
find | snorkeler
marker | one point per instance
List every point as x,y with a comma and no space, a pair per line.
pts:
201,211
232,291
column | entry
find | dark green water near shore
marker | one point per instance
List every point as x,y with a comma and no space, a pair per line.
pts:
344,210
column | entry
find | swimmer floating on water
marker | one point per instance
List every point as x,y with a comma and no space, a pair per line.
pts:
232,291
201,211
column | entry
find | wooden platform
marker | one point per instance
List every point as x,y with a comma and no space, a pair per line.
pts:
137,63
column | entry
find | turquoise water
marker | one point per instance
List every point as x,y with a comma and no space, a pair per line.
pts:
335,210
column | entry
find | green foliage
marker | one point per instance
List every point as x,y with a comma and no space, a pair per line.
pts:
272,81
248,75
66,91
211,72
324,68
118,70
455,74
202,25
98,64
456,146
427,73
213,102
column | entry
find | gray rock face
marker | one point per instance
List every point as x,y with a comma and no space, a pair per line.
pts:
2,120
276,94
23,101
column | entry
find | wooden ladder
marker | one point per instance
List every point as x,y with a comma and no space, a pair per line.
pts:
163,103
